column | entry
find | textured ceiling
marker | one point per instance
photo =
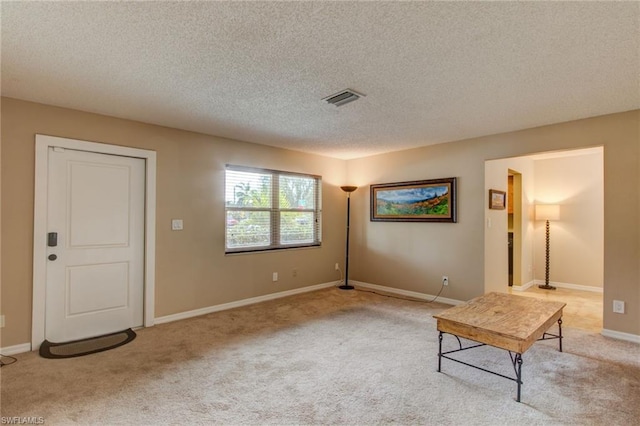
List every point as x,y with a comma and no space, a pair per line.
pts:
432,72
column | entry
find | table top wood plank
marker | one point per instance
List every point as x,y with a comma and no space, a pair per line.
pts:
503,320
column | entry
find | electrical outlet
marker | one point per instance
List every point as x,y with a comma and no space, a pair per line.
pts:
445,280
1,321
618,306
337,266
294,273
275,277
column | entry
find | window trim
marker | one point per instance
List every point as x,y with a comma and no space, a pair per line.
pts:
275,211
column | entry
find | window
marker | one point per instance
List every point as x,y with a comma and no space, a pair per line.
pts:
268,209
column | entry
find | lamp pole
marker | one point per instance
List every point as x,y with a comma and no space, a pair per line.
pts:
547,212
546,285
346,285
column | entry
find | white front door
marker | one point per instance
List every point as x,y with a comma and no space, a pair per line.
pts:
95,245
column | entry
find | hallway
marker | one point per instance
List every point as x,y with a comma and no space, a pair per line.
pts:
583,310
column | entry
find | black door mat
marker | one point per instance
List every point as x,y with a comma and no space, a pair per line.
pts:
86,346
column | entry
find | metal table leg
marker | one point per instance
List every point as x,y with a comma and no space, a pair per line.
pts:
439,351
519,374
560,332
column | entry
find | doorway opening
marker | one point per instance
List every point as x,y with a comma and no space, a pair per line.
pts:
572,179
514,227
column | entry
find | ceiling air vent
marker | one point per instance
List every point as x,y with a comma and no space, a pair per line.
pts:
343,97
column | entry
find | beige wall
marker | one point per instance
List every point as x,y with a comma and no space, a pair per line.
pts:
1,228
413,256
577,239
192,270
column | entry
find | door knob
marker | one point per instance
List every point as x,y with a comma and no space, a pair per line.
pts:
52,257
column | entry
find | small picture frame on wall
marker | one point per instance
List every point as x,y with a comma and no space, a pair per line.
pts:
497,199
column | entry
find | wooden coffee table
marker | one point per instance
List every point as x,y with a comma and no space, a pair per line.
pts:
504,321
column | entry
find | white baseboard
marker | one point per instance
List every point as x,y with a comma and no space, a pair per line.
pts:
26,347
16,349
523,287
239,303
414,294
634,338
570,286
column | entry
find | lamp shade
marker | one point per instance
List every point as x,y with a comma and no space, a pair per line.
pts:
348,188
547,212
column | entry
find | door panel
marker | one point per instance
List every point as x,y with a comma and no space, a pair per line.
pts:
95,288
98,193
96,205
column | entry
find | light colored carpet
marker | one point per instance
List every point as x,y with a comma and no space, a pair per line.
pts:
327,357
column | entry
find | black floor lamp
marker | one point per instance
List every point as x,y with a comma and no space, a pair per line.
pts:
547,212
348,190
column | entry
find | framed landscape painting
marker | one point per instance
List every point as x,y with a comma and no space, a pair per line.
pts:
418,201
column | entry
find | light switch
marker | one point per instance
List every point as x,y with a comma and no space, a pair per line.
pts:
176,224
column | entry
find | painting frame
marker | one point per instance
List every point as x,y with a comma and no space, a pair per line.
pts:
497,199
405,202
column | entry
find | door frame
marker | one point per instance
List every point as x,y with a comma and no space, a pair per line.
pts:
43,143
